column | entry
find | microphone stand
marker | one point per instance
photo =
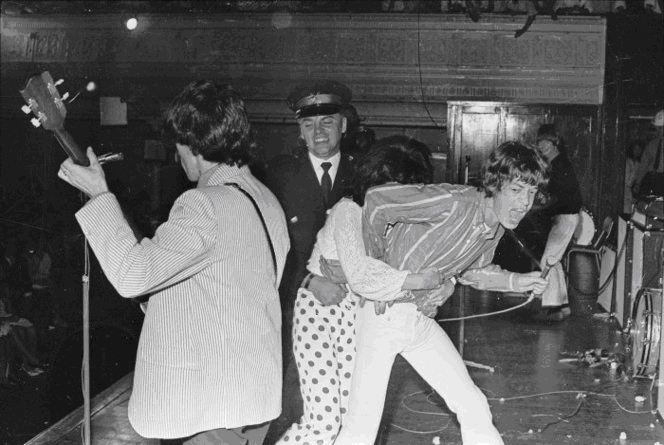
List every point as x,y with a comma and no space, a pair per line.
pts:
85,280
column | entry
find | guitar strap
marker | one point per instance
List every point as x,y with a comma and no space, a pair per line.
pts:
260,215
144,304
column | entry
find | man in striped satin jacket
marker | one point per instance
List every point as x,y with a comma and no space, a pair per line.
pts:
208,366
455,229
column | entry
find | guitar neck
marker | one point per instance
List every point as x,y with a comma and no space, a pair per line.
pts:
70,147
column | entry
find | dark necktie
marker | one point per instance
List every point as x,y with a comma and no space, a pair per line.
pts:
326,182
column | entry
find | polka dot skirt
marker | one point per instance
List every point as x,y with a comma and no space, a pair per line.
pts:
324,347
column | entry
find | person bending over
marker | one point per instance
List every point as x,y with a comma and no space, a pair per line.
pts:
454,229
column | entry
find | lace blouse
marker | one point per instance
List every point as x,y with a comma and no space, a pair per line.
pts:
341,239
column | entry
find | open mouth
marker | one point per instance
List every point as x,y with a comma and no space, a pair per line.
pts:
516,216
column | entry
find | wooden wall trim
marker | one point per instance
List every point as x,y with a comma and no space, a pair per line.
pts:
396,59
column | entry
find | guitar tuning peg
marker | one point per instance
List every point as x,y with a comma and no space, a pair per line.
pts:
65,96
26,109
36,122
59,82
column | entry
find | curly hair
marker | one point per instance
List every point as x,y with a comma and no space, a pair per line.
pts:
515,161
212,120
395,158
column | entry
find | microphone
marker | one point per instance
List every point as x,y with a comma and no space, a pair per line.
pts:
110,157
545,271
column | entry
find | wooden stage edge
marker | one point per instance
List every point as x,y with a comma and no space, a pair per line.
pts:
75,419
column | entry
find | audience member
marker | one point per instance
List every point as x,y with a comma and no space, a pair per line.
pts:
18,338
38,299
15,277
208,366
454,229
19,346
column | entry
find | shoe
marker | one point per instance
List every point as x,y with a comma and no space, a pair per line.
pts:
559,313
32,371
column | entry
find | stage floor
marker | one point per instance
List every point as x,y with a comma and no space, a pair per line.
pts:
535,397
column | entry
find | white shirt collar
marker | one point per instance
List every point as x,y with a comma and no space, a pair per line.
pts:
316,162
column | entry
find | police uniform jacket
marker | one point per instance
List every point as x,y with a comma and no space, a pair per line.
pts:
294,182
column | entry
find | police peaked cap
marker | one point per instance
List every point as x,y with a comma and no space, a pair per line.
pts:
319,98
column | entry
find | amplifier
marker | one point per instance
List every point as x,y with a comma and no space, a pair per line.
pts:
638,265
649,215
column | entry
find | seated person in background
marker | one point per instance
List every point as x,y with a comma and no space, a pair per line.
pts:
38,299
547,231
324,322
19,345
454,229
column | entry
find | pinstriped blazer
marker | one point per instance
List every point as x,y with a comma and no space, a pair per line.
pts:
209,354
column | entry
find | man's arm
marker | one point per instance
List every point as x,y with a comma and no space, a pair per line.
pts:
485,275
559,238
493,278
178,250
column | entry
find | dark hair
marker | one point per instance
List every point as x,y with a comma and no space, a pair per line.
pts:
358,138
632,147
212,120
353,119
395,158
515,161
547,132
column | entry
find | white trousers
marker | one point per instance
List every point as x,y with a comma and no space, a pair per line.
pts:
556,292
425,345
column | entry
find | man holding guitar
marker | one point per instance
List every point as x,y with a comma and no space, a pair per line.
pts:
208,366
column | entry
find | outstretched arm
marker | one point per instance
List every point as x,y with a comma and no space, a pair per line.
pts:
493,278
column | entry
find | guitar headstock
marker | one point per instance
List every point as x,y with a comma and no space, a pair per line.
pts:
43,99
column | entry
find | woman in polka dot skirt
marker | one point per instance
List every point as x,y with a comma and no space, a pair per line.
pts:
324,319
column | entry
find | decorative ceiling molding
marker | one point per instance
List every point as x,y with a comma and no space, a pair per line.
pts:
394,63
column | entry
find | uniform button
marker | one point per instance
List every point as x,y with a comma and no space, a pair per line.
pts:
294,219
327,212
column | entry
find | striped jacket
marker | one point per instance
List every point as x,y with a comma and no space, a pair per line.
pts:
415,227
209,354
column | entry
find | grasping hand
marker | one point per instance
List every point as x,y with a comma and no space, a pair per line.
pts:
90,180
331,269
531,281
326,292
